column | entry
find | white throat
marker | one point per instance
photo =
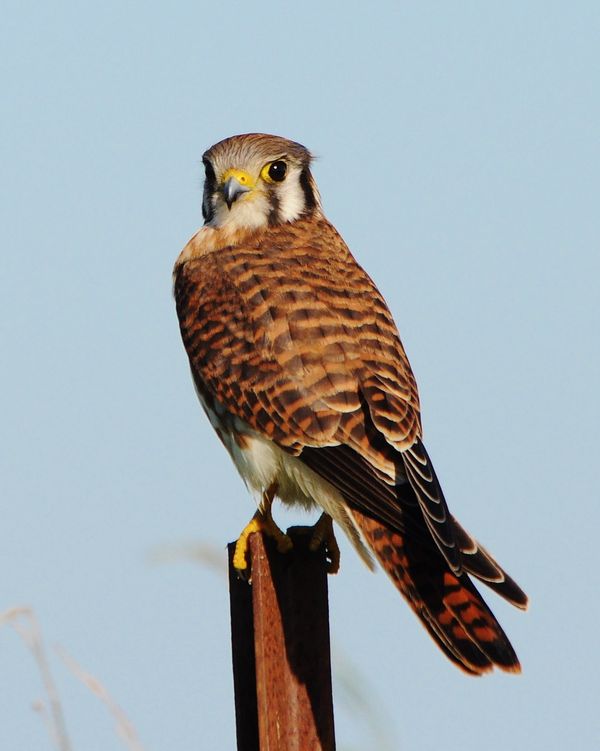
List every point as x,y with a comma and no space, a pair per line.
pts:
251,211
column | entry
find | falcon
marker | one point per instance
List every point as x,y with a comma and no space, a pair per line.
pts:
298,364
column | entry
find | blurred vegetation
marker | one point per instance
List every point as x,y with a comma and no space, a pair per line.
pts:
353,697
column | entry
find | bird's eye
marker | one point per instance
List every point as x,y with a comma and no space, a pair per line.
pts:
276,171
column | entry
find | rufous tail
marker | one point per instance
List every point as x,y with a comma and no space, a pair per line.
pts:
449,605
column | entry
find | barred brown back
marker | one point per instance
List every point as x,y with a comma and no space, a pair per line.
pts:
290,335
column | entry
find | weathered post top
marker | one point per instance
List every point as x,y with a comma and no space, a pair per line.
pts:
281,649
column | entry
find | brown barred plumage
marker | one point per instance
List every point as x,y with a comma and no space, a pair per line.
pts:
291,343
303,333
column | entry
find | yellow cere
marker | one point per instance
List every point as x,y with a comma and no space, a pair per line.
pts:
241,176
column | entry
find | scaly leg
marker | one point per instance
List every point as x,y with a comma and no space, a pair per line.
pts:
262,521
322,534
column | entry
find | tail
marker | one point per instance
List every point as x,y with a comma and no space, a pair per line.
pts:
448,604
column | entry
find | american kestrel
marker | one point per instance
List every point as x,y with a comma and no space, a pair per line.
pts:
299,366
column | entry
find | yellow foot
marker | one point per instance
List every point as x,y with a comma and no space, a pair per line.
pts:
323,535
260,522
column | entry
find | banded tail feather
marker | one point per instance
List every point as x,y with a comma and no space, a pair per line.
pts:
448,604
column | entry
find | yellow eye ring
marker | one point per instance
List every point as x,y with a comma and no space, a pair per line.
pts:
274,172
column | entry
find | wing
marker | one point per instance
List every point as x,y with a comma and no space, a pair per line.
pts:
295,340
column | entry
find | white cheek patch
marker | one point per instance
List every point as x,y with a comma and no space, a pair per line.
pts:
290,196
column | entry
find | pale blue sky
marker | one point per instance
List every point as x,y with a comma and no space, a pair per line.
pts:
459,157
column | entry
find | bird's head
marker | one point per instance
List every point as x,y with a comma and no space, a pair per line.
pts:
257,180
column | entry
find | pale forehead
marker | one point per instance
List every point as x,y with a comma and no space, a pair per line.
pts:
253,150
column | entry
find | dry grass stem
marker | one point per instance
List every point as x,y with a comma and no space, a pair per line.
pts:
124,727
23,621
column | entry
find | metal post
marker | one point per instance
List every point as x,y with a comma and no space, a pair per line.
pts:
281,651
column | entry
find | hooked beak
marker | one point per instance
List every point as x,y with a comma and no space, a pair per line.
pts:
232,190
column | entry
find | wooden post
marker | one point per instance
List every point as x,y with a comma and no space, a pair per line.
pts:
280,646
